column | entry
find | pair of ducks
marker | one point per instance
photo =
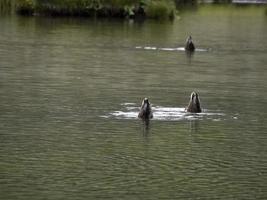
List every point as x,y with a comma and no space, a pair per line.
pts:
193,107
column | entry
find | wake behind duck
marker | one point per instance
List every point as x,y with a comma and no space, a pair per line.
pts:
189,47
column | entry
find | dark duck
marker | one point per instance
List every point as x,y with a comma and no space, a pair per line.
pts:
145,110
189,46
194,104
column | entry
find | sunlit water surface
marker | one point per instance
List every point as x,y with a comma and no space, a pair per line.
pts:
70,91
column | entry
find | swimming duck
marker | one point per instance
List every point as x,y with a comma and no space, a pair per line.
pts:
189,46
194,104
145,110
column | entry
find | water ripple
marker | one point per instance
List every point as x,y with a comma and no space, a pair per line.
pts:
168,48
161,113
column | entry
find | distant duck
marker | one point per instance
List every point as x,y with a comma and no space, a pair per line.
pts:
194,104
145,110
189,46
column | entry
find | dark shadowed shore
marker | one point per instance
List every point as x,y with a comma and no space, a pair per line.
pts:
157,9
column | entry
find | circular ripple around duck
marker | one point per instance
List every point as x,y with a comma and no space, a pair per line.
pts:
169,48
131,110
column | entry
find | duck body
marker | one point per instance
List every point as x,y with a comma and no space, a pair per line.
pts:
194,104
145,110
189,45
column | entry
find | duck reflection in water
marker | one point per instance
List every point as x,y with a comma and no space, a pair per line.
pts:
193,126
189,55
145,127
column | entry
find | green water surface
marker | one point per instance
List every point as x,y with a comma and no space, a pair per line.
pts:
62,78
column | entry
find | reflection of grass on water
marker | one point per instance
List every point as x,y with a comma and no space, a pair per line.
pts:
231,9
5,6
159,9
25,6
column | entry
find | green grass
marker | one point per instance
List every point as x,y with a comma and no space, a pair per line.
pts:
160,9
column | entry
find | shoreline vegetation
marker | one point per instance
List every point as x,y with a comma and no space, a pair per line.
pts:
125,9
135,9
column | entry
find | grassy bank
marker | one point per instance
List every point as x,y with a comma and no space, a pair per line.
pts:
158,9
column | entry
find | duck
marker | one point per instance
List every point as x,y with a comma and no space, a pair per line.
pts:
145,110
189,46
194,104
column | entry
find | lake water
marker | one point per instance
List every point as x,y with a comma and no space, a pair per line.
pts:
70,90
